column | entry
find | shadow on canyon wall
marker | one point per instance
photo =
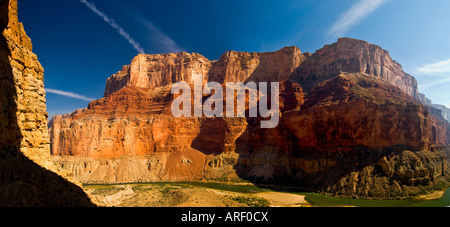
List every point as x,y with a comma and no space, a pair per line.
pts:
269,161
275,157
212,135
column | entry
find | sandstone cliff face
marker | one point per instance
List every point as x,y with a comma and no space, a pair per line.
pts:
24,142
438,110
152,71
29,87
361,111
135,144
444,111
349,120
256,67
354,56
339,140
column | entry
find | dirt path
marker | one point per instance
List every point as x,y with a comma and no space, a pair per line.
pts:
432,196
199,197
117,199
278,199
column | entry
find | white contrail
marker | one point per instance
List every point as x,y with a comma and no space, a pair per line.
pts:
69,94
160,39
424,87
358,12
114,25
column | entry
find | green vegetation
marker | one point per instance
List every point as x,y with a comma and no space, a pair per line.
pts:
245,188
249,189
105,189
252,201
329,201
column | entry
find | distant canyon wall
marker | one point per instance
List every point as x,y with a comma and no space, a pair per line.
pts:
355,56
346,55
351,124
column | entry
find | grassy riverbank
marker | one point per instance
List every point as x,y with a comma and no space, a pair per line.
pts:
238,194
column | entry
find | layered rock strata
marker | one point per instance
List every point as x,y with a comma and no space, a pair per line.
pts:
351,124
337,143
355,56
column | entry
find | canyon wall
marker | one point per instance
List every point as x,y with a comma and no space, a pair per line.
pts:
444,111
26,177
256,67
351,124
354,56
152,71
339,140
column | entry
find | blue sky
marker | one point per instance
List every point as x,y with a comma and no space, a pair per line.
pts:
81,43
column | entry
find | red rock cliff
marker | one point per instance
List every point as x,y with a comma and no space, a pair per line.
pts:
152,71
256,67
350,106
355,56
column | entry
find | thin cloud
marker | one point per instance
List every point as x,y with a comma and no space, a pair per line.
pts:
434,83
114,25
358,12
69,94
436,69
439,70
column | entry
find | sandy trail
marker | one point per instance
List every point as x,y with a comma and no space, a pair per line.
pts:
117,199
432,196
279,199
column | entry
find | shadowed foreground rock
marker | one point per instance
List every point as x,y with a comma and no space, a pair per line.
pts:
26,184
27,175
